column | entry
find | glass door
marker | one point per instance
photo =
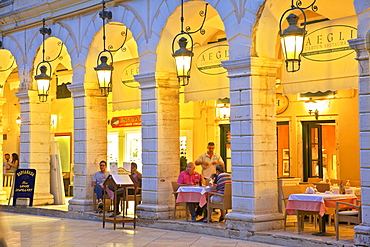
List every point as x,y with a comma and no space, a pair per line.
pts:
319,150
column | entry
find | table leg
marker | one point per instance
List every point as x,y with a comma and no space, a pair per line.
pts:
322,225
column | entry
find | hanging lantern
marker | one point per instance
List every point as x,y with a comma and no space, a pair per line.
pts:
43,84
104,72
183,58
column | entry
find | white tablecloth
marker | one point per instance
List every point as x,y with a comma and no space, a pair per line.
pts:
198,189
320,197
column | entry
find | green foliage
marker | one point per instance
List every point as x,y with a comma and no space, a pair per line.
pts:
183,162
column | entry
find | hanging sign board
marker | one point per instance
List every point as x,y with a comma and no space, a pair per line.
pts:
24,184
126,121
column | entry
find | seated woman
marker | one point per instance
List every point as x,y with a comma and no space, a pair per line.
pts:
219,186
14,165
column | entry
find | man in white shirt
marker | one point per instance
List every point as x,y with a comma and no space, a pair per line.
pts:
209,161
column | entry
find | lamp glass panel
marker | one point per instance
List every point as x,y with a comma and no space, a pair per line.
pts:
43,86
104,78
292,46
183,65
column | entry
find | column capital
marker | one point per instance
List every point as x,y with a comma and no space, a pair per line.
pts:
83,90
362,48
157,79
250,66
27,96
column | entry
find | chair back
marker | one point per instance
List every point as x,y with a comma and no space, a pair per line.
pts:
314,180
227,196
175,186
335,181
322,187
290,189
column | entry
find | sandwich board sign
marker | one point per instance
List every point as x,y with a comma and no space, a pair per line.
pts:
24,184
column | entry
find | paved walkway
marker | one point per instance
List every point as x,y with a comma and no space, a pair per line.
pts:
31,230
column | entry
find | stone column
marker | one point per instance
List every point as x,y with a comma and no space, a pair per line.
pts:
160,143
35,142
253,145
90,142
2,192
362,231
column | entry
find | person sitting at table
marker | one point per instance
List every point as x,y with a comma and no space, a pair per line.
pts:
219,186
190,177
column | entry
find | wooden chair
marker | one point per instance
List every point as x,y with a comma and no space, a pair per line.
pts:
107,207
322,187
8,180
175,187
287,191
351,216
314,180
334,181
226,204
131,198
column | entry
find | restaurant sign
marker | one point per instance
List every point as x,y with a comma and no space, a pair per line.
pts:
128,75
209,60
126,121
329,43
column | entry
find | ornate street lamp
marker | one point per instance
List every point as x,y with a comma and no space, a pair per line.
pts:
43,79
183,56
292,38
104,70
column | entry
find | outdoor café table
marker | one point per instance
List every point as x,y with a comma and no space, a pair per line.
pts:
193,194
317,202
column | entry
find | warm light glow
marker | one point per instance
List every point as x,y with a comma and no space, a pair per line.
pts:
292,40
18,121
53,120
223,111
183,65
104,78
319,105
43,86
293,46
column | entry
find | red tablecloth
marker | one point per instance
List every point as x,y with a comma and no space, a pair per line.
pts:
316,202
192,194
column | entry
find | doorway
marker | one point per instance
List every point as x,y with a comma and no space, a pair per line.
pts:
225,145
319,150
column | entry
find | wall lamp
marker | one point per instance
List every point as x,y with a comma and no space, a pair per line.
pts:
183,56
223,109
18,121
292,38
315,106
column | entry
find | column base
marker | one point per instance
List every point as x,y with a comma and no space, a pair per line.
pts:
78,205
248,222
43,199
154,212
362,235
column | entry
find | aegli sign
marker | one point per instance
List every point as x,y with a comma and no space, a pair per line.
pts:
128,73
209,60
126,121
329,43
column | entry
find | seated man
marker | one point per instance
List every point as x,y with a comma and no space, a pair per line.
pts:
98,183
136,175
187,178
219,186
